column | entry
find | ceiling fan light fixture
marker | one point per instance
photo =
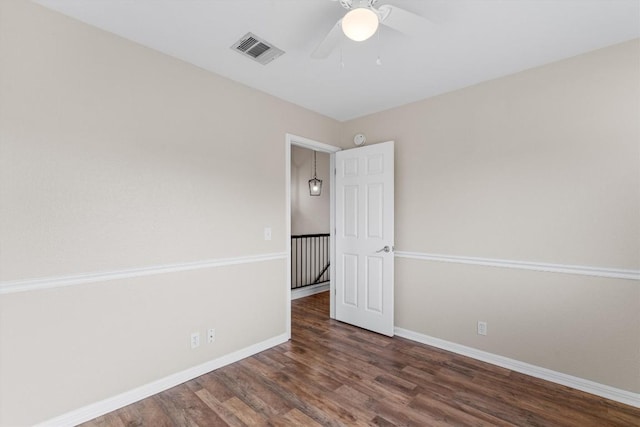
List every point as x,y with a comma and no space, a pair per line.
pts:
359,24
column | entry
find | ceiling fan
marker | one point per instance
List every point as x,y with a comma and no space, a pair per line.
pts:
362,20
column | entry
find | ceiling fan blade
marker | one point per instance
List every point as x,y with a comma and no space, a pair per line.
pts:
402,20
330,42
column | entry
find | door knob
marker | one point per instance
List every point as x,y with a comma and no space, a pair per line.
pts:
386,249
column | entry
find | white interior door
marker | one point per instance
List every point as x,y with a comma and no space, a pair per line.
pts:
364,237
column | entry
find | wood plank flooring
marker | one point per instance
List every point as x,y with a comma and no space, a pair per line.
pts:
332,374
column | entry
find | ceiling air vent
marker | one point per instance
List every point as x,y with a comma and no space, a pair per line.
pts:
257,49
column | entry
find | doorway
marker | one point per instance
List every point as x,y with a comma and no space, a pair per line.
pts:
310,217
362,191
298,143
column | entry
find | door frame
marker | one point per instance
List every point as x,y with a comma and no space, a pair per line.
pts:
311,144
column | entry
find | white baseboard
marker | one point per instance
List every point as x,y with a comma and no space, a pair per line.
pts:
97,409
612,393
309,290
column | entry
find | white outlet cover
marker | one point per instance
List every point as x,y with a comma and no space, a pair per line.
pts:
211,335
267,233
195,339
482,328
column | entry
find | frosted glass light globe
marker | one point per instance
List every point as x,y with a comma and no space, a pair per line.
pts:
360,24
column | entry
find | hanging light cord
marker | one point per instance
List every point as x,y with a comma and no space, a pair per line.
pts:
314,165
378,61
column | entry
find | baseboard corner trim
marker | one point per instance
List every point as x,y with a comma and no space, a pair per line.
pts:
588,386
308,291
111,404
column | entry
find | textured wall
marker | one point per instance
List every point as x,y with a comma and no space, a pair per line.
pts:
112,157
541,166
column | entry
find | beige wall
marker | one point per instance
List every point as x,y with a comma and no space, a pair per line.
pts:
541,166
309,214
113,156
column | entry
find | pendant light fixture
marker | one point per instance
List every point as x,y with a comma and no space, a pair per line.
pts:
315,184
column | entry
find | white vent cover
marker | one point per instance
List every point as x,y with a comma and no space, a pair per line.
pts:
256,48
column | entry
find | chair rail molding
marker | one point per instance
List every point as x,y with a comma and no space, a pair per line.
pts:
614,273
9,287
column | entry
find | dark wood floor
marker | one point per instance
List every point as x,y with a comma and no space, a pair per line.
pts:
332,374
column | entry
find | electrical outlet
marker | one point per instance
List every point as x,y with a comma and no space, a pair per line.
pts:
482,328
211,335
267,233
195,339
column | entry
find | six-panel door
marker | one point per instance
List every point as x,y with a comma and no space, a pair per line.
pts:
364,227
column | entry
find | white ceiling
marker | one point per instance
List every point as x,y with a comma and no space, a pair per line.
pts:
467,41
